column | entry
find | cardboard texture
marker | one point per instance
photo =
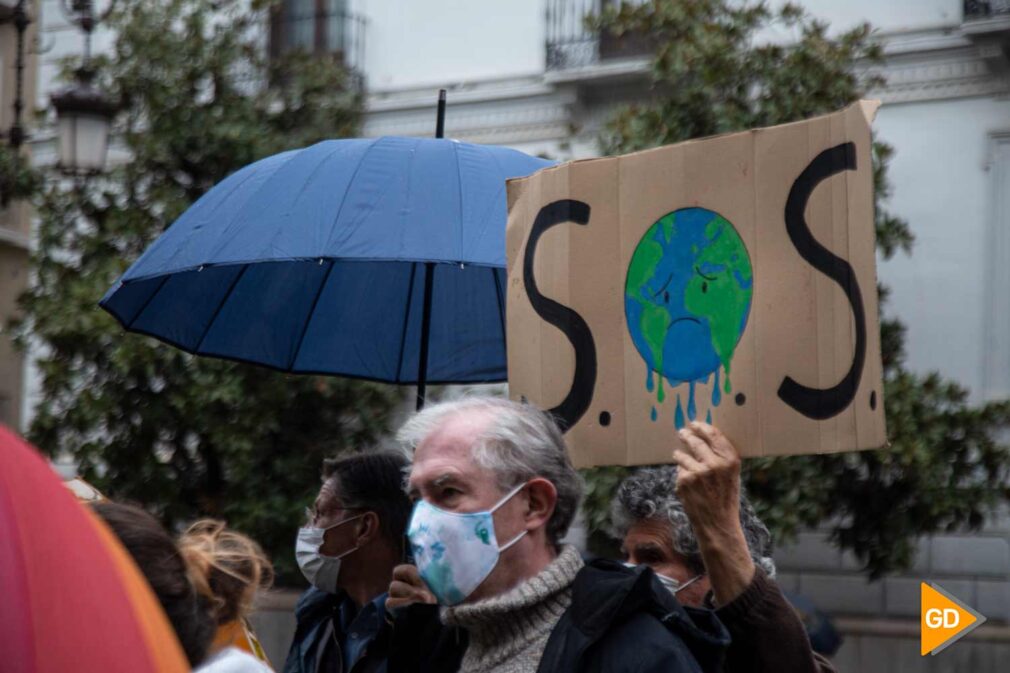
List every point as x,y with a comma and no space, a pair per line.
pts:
730,279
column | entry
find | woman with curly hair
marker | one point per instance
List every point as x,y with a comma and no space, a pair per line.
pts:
228,568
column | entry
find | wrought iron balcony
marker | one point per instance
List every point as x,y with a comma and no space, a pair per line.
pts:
572,44
984,9
987,24
321,27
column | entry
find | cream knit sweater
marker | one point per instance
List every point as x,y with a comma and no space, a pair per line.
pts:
508,632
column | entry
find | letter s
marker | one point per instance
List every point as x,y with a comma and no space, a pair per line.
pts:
815,402
565,319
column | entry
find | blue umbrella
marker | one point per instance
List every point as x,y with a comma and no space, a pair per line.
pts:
333,259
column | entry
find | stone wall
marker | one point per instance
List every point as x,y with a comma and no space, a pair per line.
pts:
973,567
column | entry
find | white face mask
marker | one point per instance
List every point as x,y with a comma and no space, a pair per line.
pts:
455,552
321,571
672,585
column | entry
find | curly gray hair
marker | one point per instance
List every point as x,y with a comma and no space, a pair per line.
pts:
650,493
520,443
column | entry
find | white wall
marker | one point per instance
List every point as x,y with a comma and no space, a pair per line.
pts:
410,44
885,15
942,188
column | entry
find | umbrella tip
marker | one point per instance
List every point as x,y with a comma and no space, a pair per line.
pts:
440,118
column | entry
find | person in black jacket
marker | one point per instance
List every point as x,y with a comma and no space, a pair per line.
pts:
353,539
692,524
494,590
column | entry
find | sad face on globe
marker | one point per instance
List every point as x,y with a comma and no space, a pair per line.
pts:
686,300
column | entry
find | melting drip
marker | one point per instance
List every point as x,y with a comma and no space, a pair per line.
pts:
682,415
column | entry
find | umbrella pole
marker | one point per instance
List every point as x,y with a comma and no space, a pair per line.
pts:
429,273
422,365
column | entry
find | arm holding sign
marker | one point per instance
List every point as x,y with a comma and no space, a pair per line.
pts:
767,634
708,483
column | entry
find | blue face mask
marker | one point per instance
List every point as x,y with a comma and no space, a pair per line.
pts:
455,552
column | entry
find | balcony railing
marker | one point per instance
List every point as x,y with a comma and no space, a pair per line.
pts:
571,44
984,9
319,27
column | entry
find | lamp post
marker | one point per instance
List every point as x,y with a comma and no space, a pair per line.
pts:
15,13
84,112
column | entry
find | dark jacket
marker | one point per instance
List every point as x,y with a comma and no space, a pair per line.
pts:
620,620
767,633
315,614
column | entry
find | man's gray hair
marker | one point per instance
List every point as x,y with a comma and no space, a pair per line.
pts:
650,493
519,443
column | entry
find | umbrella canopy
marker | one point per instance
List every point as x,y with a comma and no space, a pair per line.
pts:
319,261
72,598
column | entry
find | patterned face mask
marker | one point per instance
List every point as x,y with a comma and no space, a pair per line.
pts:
455,552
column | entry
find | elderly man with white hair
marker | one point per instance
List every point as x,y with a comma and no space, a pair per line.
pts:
692,524
494,589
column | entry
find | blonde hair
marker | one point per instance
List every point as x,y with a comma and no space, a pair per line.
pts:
226,567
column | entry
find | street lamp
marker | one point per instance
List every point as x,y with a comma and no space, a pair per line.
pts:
84,112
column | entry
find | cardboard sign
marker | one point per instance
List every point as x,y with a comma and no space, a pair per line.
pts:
730,279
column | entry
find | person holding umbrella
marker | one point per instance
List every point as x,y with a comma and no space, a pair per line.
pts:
495,493
347,550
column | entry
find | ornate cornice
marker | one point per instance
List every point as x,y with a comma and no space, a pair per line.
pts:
953,72
499,122
938,63
503,112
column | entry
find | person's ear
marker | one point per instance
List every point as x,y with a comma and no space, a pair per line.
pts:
367,528
541,498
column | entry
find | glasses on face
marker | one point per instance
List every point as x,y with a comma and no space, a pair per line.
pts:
313,517
310,516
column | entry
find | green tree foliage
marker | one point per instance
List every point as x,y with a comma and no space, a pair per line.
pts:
18,179
719,66
185,436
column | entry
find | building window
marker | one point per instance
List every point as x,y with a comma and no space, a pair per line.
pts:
572,44
317,27
983,9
